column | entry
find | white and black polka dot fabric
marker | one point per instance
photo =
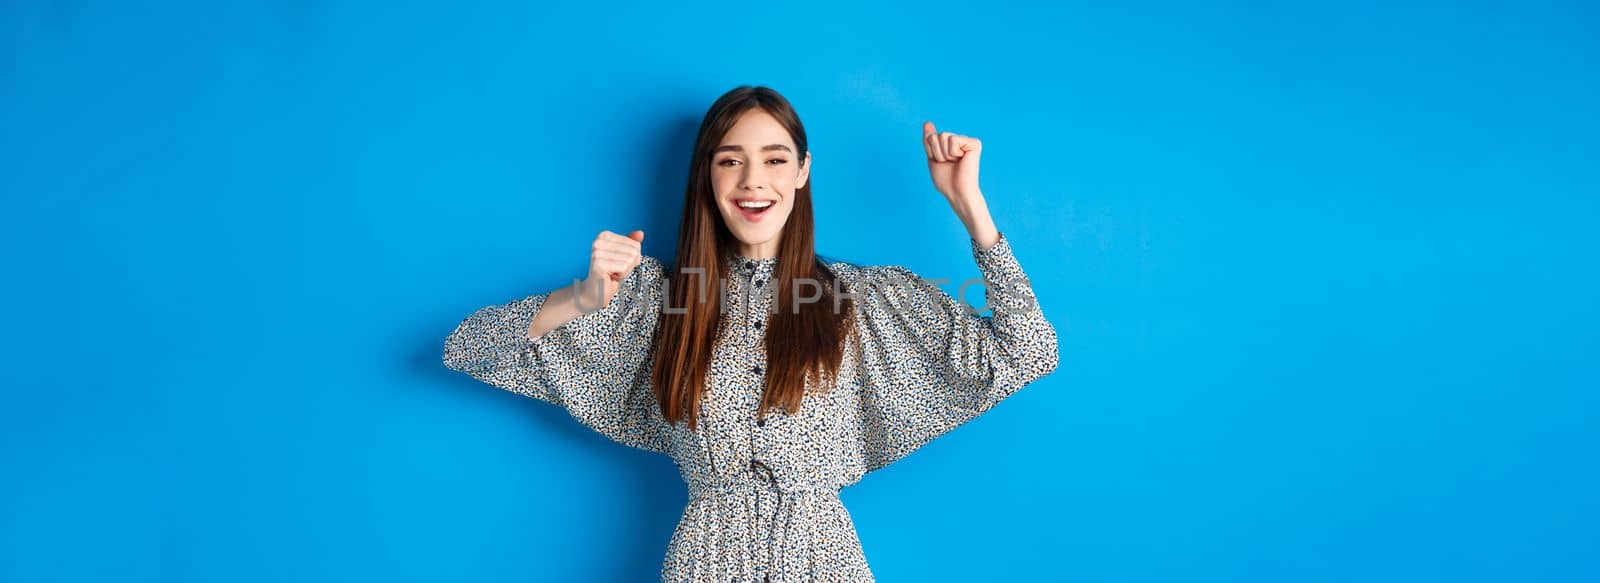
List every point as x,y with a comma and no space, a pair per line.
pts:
764,493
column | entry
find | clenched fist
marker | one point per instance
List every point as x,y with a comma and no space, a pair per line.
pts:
952,162
611,259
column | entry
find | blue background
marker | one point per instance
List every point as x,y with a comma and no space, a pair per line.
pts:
1324,279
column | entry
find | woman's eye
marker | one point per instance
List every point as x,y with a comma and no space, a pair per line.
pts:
731,161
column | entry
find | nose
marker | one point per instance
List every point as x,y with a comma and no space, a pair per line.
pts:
750,181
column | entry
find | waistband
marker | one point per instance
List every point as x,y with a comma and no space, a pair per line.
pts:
758,475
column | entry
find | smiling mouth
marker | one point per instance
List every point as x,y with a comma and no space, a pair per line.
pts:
753,213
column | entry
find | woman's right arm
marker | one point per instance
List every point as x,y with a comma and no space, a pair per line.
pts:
593,360
559,308
612,258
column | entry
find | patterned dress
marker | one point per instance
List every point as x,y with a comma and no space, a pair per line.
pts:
764,493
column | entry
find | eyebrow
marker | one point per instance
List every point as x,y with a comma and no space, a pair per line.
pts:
738,148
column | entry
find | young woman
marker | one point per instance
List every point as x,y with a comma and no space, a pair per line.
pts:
773,377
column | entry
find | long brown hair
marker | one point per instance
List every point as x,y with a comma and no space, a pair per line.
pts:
805,340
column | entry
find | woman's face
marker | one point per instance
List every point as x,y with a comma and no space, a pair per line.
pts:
756,164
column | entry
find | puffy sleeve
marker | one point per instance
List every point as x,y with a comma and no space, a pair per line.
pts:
928,361
596,366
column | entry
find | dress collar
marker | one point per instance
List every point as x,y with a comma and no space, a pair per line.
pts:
736,263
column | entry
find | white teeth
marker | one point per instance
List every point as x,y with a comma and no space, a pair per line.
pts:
751,204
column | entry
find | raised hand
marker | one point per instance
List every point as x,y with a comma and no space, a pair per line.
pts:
611,259
953,165
952,162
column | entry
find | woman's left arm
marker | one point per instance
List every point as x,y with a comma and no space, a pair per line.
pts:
929,363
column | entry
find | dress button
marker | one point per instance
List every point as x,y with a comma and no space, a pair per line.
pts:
762,422
756,369
749,265
758,324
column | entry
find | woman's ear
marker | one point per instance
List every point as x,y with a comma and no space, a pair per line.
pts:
805,172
